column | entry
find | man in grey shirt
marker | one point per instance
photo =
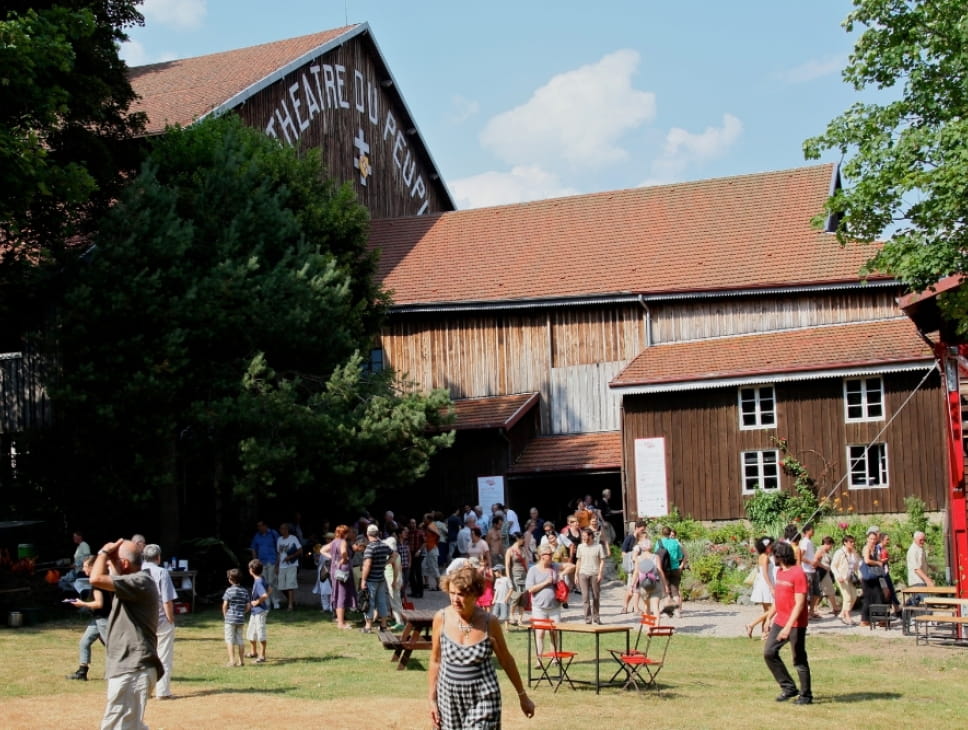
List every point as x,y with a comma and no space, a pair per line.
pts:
132,666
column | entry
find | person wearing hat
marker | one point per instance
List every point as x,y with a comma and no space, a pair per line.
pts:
376,555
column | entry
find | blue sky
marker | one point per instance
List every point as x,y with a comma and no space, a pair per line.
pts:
527,100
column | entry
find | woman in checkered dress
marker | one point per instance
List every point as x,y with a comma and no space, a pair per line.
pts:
464,690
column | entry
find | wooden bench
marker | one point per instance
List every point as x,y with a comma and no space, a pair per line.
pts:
935,619
402,649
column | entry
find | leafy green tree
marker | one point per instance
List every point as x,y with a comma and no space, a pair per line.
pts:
64,98
210,346
906,165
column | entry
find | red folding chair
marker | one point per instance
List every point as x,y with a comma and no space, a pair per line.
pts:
651,659
556,659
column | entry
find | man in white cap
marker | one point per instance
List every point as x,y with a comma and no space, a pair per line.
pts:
376,555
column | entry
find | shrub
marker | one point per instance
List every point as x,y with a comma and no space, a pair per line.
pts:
729,533
707,567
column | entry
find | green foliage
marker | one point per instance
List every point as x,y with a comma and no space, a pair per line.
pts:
770,511
916,513
64,95
906,169
706,567
212,342
686,528
729,533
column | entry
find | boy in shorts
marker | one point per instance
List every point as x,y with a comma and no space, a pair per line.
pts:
235,603
502,595
259,604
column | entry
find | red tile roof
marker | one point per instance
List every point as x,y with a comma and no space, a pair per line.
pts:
751,231
853,346
572,452
182,91
501,411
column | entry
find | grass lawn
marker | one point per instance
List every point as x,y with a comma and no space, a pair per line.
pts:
318,676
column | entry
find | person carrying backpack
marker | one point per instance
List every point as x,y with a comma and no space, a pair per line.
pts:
673,560
650,581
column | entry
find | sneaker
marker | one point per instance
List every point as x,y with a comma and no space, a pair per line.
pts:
803,700
784,696
669,611
564,604
397,627
81,674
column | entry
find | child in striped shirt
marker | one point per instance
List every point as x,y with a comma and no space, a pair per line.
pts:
235,603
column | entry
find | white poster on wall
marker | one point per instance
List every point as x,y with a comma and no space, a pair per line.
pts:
651,492
490,490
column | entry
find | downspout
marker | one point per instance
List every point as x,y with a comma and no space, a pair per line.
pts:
648,321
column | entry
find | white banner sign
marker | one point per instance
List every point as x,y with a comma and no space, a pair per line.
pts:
490,490
651,492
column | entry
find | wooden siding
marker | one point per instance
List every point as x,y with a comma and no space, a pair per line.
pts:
569,356
704,443
355,106
696,320
22,392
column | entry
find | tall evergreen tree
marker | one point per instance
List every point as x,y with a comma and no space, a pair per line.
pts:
64,98
210,348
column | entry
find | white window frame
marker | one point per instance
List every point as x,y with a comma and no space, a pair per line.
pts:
865,404
749,486
858,463
757,411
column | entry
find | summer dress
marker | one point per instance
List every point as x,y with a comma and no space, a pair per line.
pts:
468,694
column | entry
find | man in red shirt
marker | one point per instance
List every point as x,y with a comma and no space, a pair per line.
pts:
789,625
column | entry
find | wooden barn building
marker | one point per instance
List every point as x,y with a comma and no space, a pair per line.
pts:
657,342
331,90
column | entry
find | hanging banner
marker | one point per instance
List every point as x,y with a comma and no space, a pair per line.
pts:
490,490
651,492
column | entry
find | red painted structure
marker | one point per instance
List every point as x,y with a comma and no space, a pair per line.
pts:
951,350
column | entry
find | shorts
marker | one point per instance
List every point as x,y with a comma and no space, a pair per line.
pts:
287,577
553,613
233,634
500,611
257,626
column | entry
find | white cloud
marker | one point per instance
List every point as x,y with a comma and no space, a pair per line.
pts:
182,14
521,184
462,109
578,117
683,148
815,68
133,53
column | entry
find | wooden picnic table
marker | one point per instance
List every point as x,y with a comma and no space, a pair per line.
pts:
414,637
930,590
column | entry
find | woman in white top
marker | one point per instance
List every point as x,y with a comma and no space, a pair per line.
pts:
762,592
589,566
844,566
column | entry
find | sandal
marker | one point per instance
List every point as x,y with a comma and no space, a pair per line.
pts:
749,630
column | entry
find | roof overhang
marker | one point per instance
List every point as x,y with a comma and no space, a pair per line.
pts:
500,412
591,300
581,453
784,377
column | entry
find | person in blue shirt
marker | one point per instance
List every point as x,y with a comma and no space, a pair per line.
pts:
263,548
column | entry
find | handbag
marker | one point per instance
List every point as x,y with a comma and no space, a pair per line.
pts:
750,578
341,575
561,590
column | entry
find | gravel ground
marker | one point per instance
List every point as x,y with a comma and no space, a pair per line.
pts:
702,618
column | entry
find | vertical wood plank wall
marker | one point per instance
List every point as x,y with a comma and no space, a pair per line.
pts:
704,441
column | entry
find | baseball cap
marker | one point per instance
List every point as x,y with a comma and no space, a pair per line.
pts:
372,530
